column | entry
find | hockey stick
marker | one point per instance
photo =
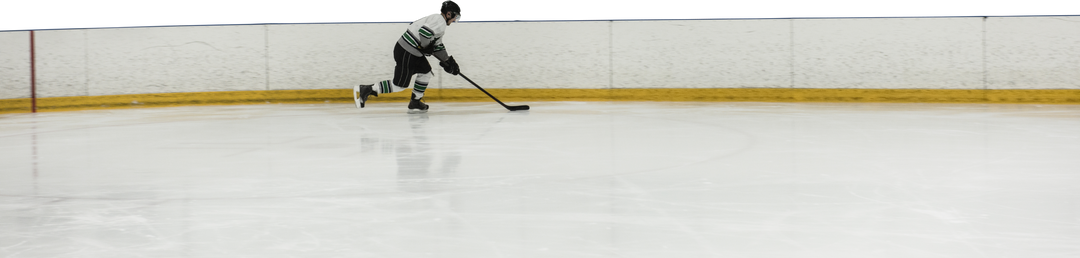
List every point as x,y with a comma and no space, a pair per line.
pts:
511,108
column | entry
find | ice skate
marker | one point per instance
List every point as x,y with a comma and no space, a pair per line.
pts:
417,105
361,93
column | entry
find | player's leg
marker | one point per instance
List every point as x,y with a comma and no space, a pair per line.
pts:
402,75
418,65
403,72
416,102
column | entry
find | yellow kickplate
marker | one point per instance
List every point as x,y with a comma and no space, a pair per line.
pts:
519,95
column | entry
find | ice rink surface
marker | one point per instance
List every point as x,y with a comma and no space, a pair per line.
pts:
566,179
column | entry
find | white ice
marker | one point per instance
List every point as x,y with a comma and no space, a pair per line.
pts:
566,179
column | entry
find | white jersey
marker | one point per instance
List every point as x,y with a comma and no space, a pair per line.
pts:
424,37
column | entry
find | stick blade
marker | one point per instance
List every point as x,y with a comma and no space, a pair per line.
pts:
516,108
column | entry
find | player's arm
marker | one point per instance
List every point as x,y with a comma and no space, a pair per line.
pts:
439,51
445,60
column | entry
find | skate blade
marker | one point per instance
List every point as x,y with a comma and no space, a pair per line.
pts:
417,111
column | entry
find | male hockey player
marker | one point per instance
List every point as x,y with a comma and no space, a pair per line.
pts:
422,38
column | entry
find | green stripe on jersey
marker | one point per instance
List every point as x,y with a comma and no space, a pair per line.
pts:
408,38
424,31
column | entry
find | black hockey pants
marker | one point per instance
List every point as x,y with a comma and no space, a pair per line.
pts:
407,66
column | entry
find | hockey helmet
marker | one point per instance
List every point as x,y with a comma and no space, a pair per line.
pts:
451,7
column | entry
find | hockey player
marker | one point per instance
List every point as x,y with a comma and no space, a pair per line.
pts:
422,38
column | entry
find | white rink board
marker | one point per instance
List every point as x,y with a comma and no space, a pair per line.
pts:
14,64
1033,53
873,53
330,56
62,63
151,60
702,54
539,55
944,53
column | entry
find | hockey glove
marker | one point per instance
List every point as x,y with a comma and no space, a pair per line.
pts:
450,66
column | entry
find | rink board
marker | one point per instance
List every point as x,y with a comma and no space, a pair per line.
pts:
473,95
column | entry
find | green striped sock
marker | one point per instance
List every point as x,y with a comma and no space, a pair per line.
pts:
385,87
419,90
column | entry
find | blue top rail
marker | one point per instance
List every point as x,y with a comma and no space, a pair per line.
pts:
552,19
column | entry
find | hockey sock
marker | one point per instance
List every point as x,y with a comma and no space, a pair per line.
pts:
421,84
387,87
